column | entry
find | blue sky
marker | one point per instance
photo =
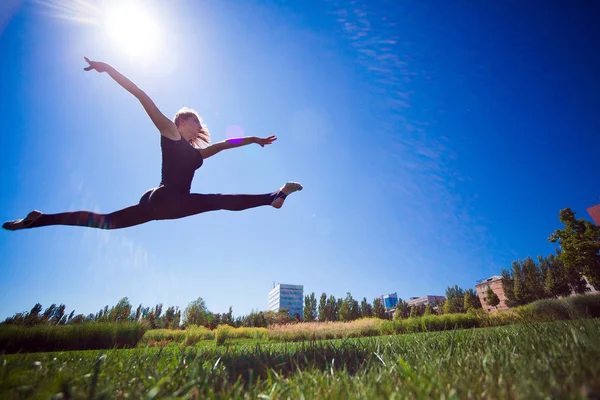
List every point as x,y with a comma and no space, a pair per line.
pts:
436,144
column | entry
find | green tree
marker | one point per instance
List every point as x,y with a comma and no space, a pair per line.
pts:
336,310
345,312
533,282
508,286
349,309
455,300
492,298
471,300
228,317
175,324
402,309
378,309
169,317
331,309
428,309
366,309
579,243
310,308
354,310
121,312
323,307
196,313
556,279
417,310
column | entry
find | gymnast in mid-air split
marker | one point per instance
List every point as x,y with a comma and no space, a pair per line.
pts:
185,144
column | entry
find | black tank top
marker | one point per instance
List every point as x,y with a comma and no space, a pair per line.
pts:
179,162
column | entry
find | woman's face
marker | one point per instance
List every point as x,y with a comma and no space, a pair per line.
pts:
191,127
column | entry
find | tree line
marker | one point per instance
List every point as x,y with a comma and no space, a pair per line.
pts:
575,263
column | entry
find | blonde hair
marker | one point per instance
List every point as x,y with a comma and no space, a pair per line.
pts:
203,139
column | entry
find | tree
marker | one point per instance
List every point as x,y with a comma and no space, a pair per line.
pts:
138,313
168,317
349,309
59,317
556,279
121,312
378,309
228,318
322,307
471,300
345,312
508,286
579,243
402,309
195,313
332,308
310,308
492,298
533,283
338,305
366,310
175,324
417,310
354,310
455,300
429,309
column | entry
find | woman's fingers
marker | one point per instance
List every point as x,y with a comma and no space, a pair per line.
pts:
90,67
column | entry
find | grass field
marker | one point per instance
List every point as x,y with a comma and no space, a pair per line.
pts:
544,360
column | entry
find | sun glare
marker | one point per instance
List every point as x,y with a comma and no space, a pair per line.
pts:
132,28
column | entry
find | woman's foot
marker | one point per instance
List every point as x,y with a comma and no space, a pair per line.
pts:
22,223
287,189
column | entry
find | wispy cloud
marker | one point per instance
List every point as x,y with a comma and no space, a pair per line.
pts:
420,159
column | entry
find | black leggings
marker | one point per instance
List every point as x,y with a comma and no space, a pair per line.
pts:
157,204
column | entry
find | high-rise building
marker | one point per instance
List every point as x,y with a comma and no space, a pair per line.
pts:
389,300
594,212
290,297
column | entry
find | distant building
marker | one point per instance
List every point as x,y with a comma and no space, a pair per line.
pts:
590,288
429,299
290,297
389,300
495,282
594,212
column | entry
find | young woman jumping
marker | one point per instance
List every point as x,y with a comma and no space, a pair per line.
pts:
185,144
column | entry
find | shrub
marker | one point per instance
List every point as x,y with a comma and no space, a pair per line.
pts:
585,306
90,336
195,333
222,333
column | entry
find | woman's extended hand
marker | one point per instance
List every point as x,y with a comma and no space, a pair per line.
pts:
97,65
265,141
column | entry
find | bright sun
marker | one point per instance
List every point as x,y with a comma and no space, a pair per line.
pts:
133,29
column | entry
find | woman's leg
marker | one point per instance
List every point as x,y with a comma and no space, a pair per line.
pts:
130,216
165,203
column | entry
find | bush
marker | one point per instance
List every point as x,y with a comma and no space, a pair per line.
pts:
546,310
90,336
223,333
163,335
586,306
195,333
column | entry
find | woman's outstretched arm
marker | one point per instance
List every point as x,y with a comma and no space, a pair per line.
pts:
237,142
165,126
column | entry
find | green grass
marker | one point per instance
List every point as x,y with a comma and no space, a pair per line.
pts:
542,360
88,336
